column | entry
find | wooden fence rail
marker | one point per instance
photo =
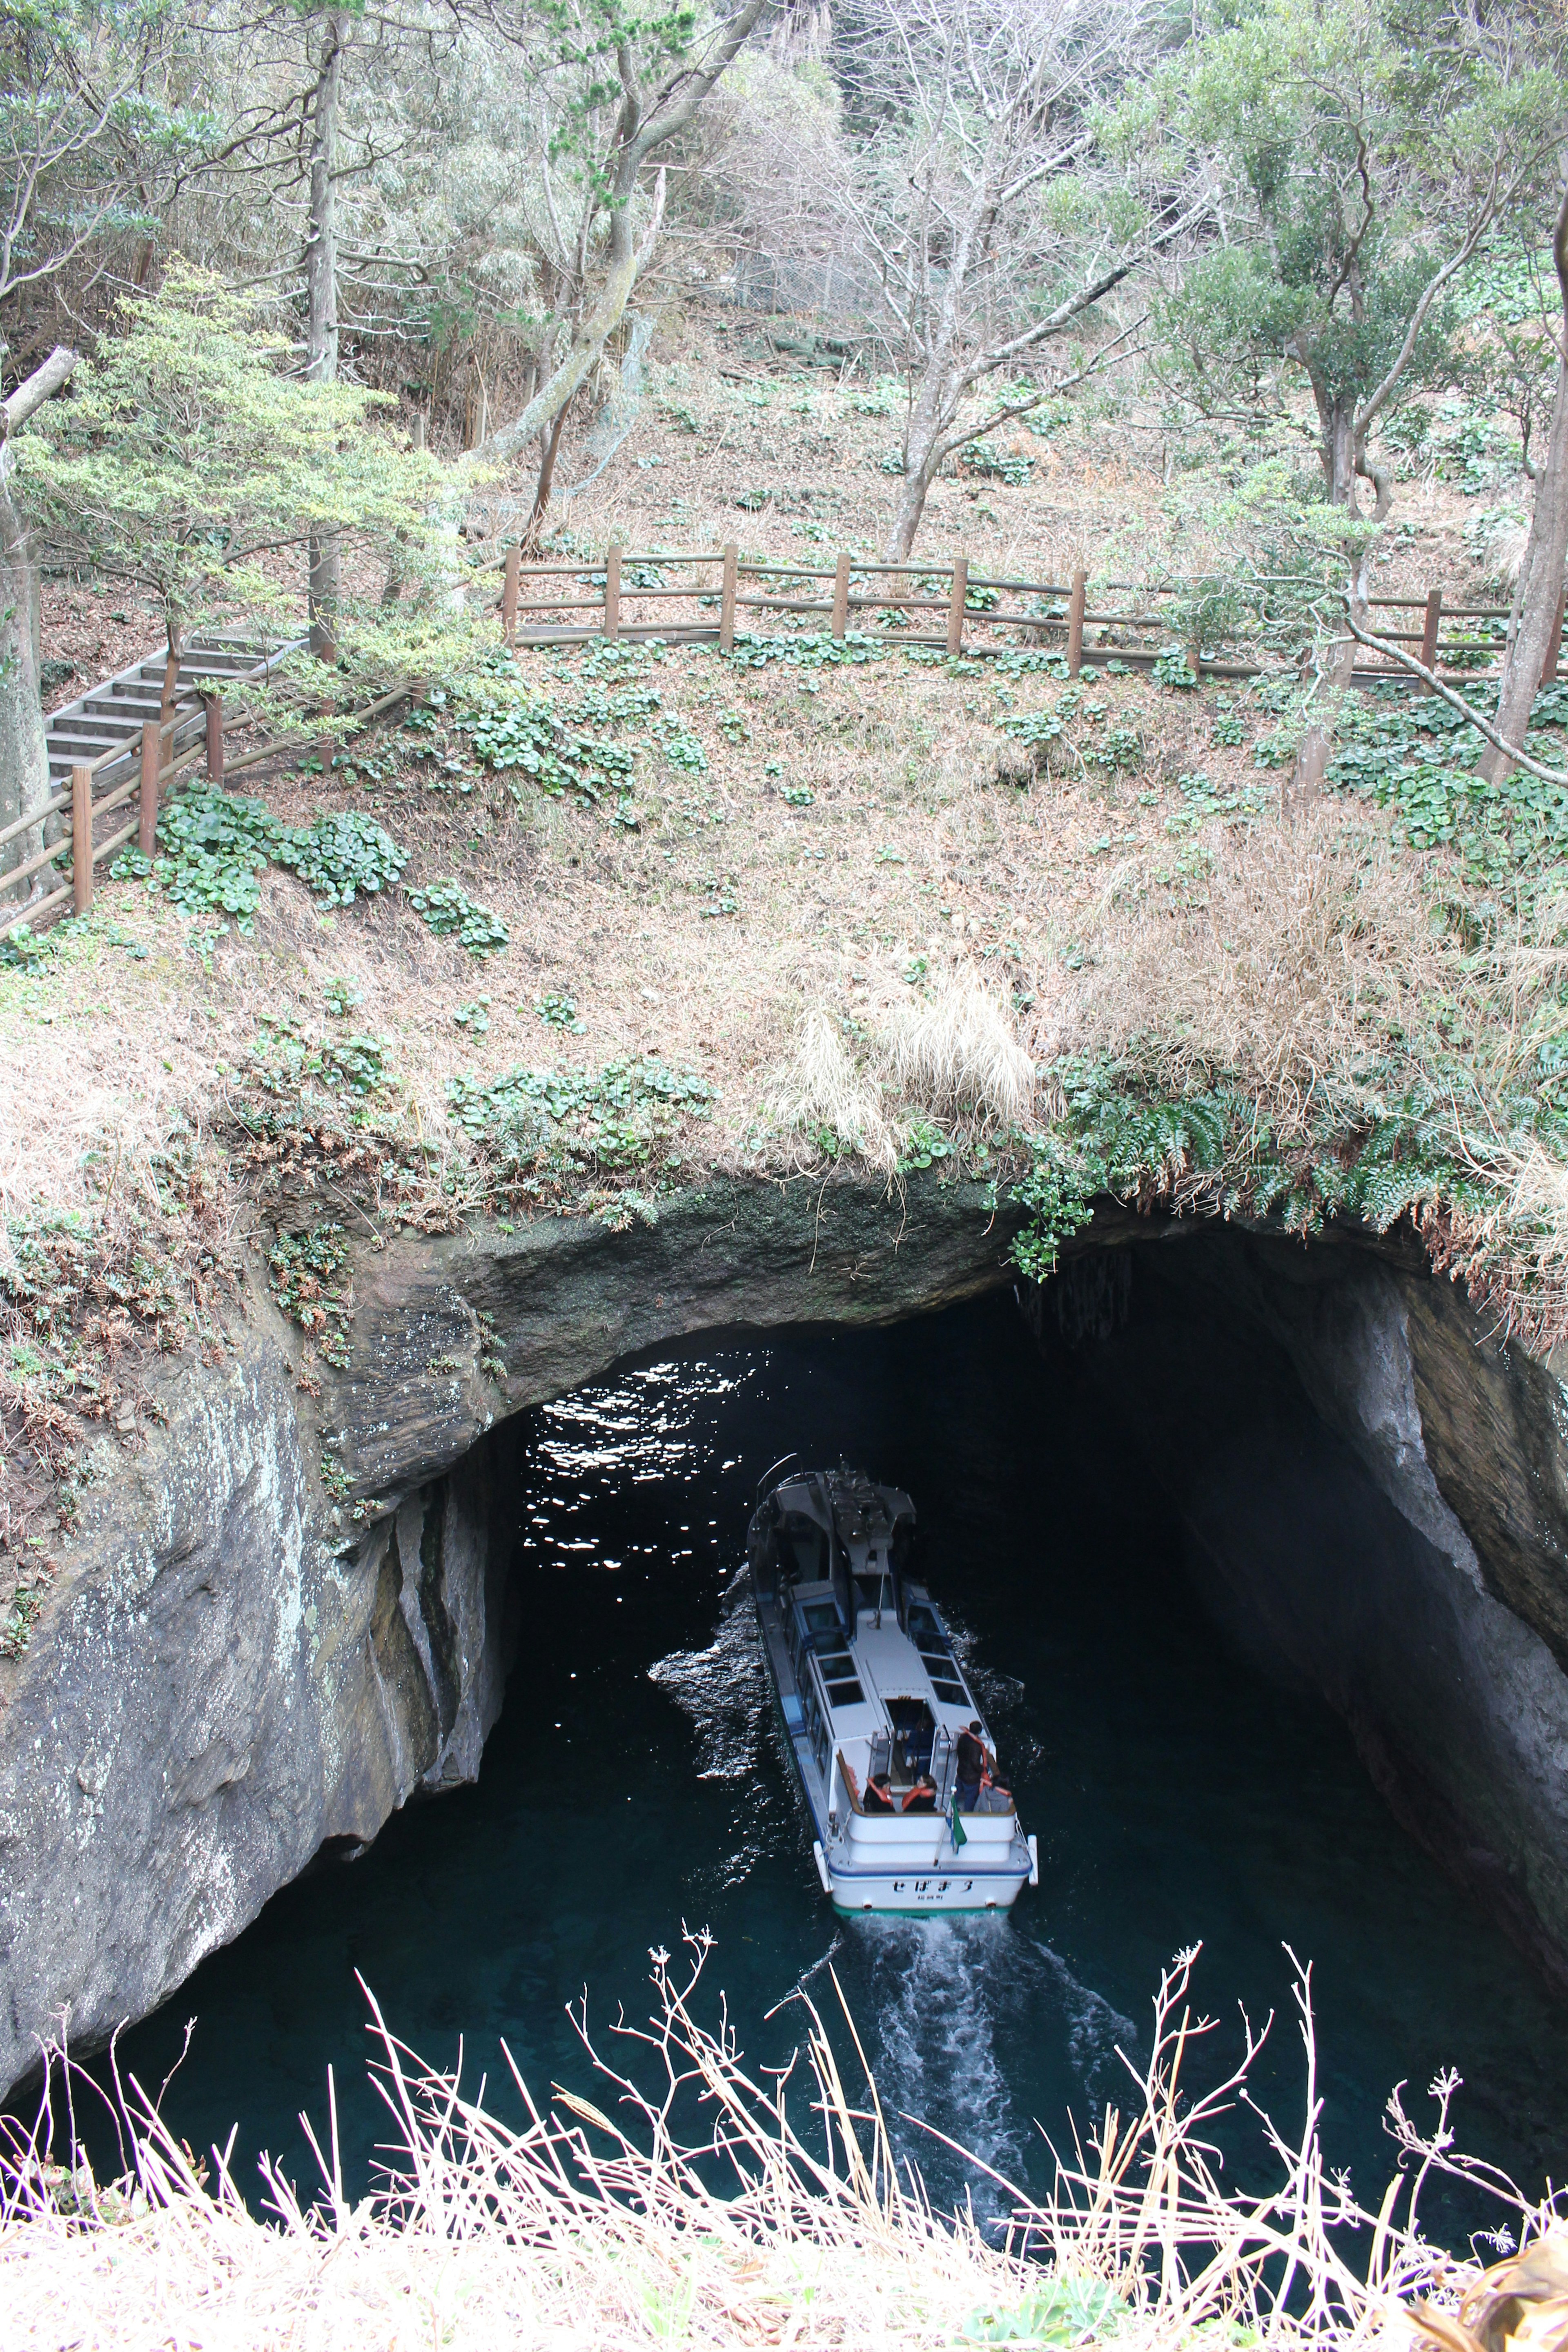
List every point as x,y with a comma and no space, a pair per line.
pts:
979,615
155,768
638,597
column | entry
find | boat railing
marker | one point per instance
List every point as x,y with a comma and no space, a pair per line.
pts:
943,1765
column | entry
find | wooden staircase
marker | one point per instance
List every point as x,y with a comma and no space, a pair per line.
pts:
112,713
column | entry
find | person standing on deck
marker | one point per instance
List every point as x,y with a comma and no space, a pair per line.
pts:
974,1760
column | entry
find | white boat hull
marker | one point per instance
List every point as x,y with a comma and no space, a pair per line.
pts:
905,1864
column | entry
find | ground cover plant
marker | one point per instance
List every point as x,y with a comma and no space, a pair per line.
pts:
697,2202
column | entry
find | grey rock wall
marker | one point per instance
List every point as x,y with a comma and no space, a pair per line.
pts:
242,1664
239,1667
1374,1491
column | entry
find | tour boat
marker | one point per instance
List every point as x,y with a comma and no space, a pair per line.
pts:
870,1689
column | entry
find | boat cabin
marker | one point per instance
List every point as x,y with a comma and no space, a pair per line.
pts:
877,1683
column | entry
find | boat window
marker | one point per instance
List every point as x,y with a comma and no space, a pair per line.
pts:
821,1616
846,1694
946,1678
836,1661
926,1629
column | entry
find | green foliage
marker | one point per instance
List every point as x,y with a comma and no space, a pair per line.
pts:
798,796
1297,105
188,453
1227,729
1118,750
684,751
1014,466
309,1274
218,844
341,854
216,847
551,1124
924,1146
812,649
883,398
1056,1198
473,1016
285,1062
1201,803
445,908
562,747
1420,759
559,1012
1063,2312
1173,669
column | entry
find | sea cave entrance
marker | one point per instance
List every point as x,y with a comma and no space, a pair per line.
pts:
1206,1636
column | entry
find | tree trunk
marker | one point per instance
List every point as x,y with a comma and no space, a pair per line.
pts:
24,743
546,482
24,746
1338,449
930,419
321,294
1540,575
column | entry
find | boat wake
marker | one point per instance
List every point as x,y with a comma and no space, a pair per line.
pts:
723,1693
938,1999
724,1690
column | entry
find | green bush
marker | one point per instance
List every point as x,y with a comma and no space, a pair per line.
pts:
341,854
445,908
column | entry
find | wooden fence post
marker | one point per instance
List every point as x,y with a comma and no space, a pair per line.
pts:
1429,635
81,840
215,737
508,595
1554,643
956,604
726,598
612,594
1075,623
841,597
152,761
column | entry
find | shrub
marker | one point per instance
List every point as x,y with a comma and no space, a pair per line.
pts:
445,908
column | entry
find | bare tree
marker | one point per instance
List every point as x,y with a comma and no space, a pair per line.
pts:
596,262
1541,574
966,189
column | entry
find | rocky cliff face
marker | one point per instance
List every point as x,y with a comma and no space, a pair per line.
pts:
244,1662
1375,1493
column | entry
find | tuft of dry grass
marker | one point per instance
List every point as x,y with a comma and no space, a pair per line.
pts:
959,1053
695,2207
823,1087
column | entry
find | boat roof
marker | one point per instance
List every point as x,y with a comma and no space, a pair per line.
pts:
862,1513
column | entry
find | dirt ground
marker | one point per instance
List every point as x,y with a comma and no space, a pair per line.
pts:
702,936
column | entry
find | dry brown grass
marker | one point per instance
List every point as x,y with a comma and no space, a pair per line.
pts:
1312,948
701,2210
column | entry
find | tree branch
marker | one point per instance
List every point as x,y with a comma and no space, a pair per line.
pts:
42,384
1455,701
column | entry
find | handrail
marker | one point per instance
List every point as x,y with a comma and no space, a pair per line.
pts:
147,789
978,605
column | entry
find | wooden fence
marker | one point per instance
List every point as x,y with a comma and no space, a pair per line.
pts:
948,606
93,794
633,597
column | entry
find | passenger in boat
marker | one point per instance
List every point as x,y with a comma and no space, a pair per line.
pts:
878,1798
921,1797
974,1762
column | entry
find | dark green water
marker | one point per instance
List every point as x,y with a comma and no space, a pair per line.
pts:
635,1782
